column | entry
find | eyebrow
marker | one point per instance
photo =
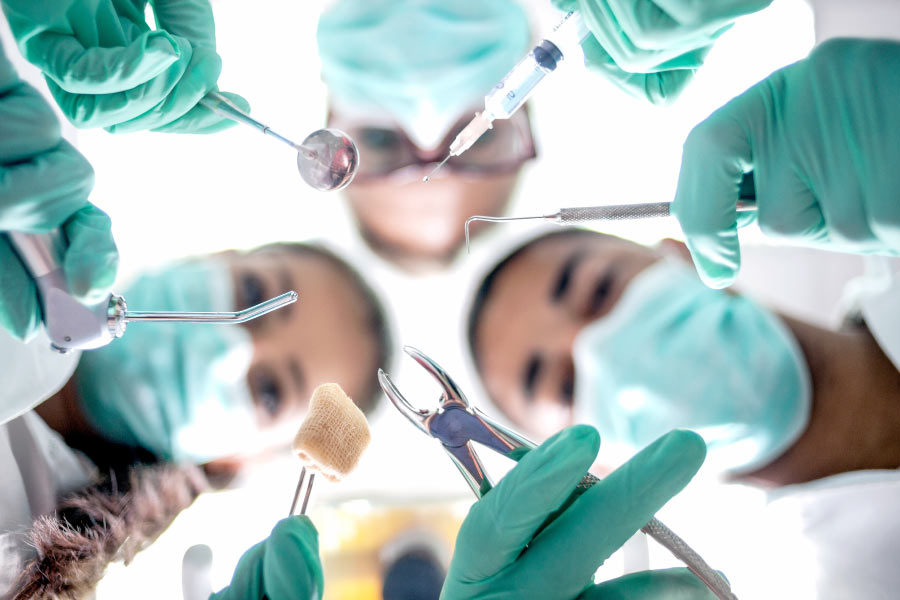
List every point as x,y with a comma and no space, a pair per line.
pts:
533,368
564,279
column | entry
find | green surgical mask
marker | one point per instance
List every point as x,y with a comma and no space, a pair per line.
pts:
177,389
676,354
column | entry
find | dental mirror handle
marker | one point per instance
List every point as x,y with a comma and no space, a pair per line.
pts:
70,324
222,106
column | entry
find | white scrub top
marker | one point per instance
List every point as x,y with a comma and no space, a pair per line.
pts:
836,538
36,466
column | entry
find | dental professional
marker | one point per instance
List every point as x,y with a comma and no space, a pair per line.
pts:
61,519
403,78
577,326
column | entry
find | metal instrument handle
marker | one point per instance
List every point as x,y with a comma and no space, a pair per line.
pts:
70,324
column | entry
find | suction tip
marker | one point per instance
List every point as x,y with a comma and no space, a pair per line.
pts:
334,433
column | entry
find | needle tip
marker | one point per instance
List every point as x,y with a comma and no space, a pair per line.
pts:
434,170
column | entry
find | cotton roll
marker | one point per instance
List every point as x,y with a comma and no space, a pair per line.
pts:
334,433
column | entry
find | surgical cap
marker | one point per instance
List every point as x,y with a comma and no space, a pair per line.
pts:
420,62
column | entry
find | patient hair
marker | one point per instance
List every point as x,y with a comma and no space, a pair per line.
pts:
377,315
486,287
110,521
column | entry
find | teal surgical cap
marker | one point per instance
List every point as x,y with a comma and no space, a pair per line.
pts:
421,63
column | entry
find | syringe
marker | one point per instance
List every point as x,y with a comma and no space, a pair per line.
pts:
517,86
620,212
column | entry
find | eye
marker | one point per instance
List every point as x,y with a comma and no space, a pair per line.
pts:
267,393
601,294
567,389
379,139
252,290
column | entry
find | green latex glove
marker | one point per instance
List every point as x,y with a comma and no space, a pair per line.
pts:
821,139
285,566
652,48
44,184
529,537
107,68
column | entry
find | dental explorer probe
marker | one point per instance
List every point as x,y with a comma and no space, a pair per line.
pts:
327,159
517,86
620,212
72,325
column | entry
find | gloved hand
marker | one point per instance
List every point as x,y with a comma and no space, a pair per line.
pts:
285,566
821,139
44,184
107,68
529,538
651,48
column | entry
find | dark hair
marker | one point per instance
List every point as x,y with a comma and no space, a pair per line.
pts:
109,521
377,316
483,292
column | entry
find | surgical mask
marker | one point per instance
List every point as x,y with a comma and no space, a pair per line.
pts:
676,354
421,63
177,389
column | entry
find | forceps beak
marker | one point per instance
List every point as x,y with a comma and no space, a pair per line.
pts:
452,394
417,416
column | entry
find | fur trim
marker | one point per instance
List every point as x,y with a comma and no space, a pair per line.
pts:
102,524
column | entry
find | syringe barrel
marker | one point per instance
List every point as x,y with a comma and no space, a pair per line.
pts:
616,212
516,87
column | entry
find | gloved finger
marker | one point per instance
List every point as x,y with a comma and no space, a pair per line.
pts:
199,78
190,19
508,516
565,5
716,155
40,194
107,110
787,208
247,581
20,312
201,120
292,568
95,70
626,52
692,13
28,125
651,26
91,258
599,521
659,88
663,584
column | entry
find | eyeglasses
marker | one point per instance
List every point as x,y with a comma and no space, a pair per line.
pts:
385,149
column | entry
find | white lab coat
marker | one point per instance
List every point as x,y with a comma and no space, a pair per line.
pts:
36,466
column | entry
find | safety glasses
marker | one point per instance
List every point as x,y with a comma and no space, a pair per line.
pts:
384,149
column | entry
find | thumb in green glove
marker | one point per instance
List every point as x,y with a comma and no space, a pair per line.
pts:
527,537
284,566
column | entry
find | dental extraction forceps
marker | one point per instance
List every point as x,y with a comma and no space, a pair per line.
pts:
456,424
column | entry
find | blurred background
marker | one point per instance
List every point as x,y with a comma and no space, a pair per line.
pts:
170,198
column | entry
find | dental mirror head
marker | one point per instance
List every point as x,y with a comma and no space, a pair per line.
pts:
327,159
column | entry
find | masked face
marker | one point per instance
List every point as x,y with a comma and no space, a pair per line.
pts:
676,354
198,392
536,306
177,389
